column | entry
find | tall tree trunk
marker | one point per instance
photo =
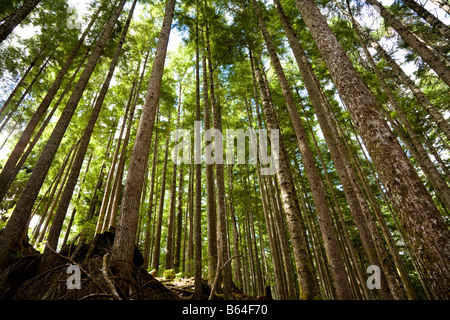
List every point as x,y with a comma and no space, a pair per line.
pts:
107,194
123,248
25,93
38,134
63,182
16,18
179,225
114,200
195,218
61,211
428,17
157,243
422,222
150,203
25,137
173,199
17,223
74,210
443,5
22,79
222,242
231,211
353,193
210,198
190,239
432,58
308,283
257,262
421,154
343,289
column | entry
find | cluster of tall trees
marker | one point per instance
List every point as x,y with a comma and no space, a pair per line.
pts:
88,116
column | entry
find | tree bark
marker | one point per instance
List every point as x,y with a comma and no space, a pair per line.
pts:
418,94
157,243
179,225
16,18
173,199
123,248
428,17
421,154
210,202
150,204
308,284
431,57
343,289
422,222
195,217
17,223
222,242
25,137
61,211
443,5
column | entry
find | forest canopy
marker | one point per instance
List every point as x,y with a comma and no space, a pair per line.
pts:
243,149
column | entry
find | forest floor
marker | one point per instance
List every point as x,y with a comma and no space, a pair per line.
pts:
83,272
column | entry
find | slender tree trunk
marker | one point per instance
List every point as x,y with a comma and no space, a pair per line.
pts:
422,157
58,193
17,222
114,200
74,210
173,200
428,55
22,79
25,137
107,194
442,4
418,214
284,244
221,208
257,264
123,248
36,137
98,186
25,93
343,289
157,243
210,204
61,211
185,267
190,240
222,242
150,203
179,231
195,218
16,18
428,17
51,195
231,211
308,284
